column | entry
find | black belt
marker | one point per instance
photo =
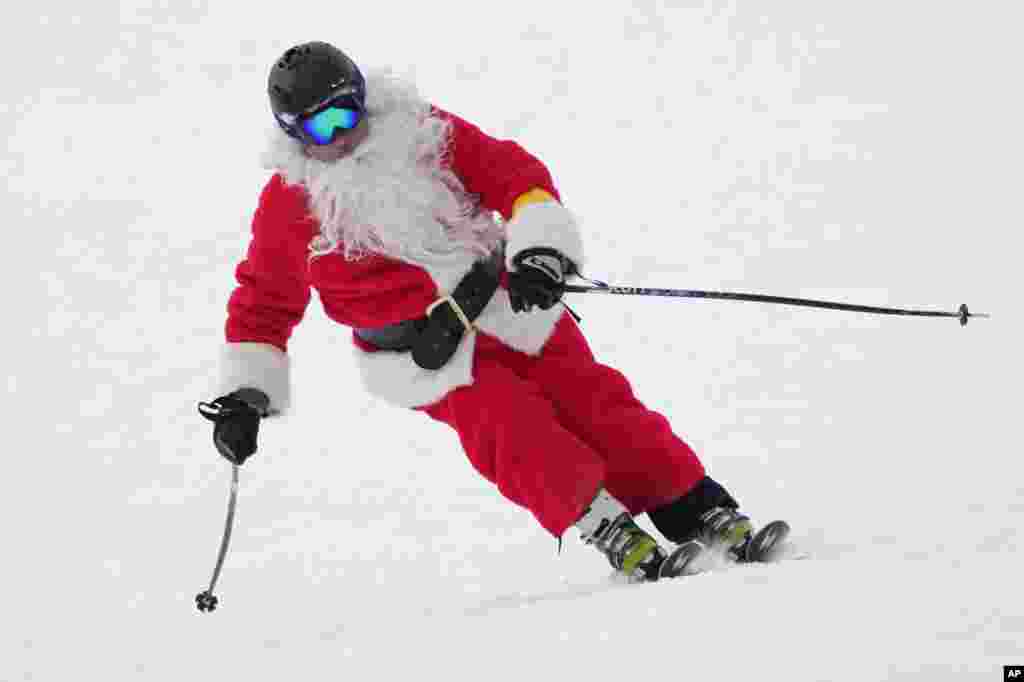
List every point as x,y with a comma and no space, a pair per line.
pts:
434,337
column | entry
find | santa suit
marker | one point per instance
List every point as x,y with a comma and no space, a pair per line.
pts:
387,231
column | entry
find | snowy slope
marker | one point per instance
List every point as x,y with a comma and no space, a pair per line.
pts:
865,151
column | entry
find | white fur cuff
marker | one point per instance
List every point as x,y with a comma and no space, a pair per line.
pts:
545,224
256,365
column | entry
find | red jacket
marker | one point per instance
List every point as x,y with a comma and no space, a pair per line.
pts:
275,277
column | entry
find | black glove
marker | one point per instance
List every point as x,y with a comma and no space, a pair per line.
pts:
236,419
539,278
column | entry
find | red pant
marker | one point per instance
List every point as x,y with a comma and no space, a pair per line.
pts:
550,430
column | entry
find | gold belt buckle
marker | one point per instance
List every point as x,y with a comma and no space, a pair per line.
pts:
459,312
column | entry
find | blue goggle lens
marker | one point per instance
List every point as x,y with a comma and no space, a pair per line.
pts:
324,124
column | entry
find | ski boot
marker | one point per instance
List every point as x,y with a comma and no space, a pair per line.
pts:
725,535
608,526
732,534
706,518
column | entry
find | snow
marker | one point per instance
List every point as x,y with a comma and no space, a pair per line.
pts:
866,152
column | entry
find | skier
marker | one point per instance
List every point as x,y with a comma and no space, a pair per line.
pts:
385,203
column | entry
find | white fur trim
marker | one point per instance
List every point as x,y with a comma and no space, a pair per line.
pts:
256,365
396,379
549,224
525,332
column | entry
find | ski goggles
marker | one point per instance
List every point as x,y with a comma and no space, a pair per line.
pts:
323,125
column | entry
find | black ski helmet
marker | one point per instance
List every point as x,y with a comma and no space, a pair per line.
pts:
307,75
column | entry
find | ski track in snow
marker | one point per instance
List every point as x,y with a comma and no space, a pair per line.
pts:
789,552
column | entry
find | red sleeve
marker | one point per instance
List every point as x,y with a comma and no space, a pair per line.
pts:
273,287
497,171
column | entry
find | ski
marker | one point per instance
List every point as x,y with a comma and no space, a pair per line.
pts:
765,545
694,557
686,559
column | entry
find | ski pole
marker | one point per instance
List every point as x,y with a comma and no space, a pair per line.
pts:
205,601
963,314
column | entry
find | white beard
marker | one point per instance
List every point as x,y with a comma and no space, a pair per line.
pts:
391,195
